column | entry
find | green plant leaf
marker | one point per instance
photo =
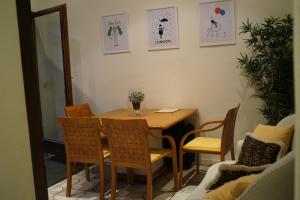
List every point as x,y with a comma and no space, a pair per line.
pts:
269,66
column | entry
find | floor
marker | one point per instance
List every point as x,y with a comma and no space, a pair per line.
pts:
56,170
162,186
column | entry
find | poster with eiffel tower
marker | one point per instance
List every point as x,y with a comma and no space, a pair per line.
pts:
217,23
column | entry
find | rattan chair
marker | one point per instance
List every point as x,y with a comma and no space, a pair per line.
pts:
80,110
128,144
210,145
83,145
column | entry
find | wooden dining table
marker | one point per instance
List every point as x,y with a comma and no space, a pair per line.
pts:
157,122
155,119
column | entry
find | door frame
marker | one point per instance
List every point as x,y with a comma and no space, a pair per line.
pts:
50,145
32,97
62,10
32,93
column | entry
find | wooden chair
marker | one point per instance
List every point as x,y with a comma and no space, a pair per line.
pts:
128,144
80,110
83,145
208,144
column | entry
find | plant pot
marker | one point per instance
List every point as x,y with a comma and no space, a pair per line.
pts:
136,108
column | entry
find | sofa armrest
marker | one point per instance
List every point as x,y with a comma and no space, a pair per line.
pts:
276,182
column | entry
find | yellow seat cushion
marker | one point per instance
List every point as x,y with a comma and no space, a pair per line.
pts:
157,154
204,144
275,134
231,190
106,153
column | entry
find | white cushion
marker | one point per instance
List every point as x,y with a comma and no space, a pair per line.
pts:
200,190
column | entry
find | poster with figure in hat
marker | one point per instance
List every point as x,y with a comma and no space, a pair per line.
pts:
217,23
115,36
163,28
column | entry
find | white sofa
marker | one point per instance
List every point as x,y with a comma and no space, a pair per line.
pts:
274,183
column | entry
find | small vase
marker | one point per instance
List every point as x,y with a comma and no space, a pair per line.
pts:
136,108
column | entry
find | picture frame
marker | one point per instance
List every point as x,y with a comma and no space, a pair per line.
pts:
163,28
115,33
217,23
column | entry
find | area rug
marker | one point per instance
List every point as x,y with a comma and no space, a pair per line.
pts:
88,190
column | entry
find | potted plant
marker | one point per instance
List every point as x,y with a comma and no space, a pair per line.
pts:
269,65
136,97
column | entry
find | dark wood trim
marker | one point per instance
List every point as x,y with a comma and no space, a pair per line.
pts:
62,9
47,11
32,96
66,54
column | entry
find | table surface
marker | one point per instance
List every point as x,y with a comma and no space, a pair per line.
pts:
154,119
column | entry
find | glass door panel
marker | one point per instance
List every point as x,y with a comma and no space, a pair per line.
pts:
51,73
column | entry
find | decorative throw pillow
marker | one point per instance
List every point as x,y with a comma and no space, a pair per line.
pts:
256,152
275,134
230,172
231,190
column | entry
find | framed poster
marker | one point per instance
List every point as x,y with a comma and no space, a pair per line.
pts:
162,28
115,33
217,23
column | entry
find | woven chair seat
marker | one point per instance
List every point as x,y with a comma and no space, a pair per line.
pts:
204,144
157,154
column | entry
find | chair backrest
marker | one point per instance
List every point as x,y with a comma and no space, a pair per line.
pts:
128,142
228,130
81,110
82,139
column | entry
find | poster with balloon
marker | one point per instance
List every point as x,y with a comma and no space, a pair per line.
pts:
162,28
217,23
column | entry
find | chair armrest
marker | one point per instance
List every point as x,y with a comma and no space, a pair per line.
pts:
169,138
201,129
220,122
186,136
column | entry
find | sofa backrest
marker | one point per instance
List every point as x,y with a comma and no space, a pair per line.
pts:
288,120
276,182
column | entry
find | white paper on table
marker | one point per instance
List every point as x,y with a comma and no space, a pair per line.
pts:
167,110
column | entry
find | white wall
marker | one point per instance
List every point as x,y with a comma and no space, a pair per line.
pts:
297,84
16,168
205,78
